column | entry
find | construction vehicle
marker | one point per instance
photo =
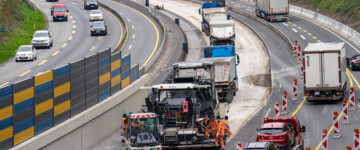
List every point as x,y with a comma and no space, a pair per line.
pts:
272,10
325,71
225,60
142,132
181,106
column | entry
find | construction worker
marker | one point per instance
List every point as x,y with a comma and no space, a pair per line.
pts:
124,126
223,131
214,125
206,125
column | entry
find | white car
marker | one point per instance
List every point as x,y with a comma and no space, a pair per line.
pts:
26,52
42,39
96,15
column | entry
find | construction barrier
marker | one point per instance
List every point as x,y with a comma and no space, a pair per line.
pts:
295,51
44,112
115,72
302,68
277,109
104,74
352,99
348,147
238,146
356,139
345,111
6,117
307,148
36,104
359,104
336,126
299,54
324,140
284,103
61,84
295,89
23,102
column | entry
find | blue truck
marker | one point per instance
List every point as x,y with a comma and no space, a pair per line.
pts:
226,79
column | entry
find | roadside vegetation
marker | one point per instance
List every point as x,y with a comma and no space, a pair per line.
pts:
345,11
20,22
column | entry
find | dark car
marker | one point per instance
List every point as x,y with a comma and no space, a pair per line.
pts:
98,28
91,4
355,62
260,146
52,0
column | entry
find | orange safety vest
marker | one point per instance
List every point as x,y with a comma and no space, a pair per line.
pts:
124,123
214,124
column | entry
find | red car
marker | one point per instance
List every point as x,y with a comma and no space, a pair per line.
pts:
59,12
284,131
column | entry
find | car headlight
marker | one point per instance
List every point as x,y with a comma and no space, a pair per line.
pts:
103,29
87,4
92,30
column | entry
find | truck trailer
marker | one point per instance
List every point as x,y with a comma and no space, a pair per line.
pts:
272,10
324,71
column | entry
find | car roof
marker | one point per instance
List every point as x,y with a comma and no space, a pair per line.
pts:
95,10
271,125
26,46
59,4
98,22
258,145
42,31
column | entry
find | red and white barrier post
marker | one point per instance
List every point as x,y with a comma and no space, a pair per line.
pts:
359,104
284,103
295,51
307,148
295,90
336,126
299,54
352,99
345,110
277,110
302,68
238,146
348,147
324,140
356,139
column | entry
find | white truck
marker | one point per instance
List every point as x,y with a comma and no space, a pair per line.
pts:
225,77
272,10
324,71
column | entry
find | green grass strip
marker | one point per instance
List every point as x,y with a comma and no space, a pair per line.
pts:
32,21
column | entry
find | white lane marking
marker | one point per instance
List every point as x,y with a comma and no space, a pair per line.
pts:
130,47
303,37
133,36
249,9
120,13
285,24
267,113
128,20
294,30
237,6
132,27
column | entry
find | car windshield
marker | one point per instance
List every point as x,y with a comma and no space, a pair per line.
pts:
255,149
98,24
91,0
356,57
24,49
40,34
59,9
143,125
95,12
176,93
272,131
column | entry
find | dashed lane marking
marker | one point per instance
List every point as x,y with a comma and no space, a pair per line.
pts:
56,52
26,72
318,41
249,10
285,24
92,48
300,28
132,27
71,17
305,31
128,20
73,21
73,32
314,37
74,26
42,62
309,34
99,37
64,45
289,22
294,30
130,47
302,37
133,36
294,25
4,84
70,38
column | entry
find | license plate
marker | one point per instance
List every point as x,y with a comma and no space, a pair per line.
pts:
317,93
23,57
97,31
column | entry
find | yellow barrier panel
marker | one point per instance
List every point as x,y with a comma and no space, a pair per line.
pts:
44,106
6,133
125,82
61,107
43,78
6,113
104,78
23,95
62,89
115,65
116,80
22,136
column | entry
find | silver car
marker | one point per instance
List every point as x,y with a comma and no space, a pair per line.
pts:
96,15
42,39
26,52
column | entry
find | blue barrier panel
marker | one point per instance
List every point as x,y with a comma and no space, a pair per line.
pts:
134,73
61,84
104,74
6,117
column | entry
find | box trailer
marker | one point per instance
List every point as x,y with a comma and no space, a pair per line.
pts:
272,10
324,71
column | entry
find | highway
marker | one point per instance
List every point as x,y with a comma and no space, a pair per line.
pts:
315,116
72,41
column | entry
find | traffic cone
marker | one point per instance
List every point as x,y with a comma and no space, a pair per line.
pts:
284,104
336,126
